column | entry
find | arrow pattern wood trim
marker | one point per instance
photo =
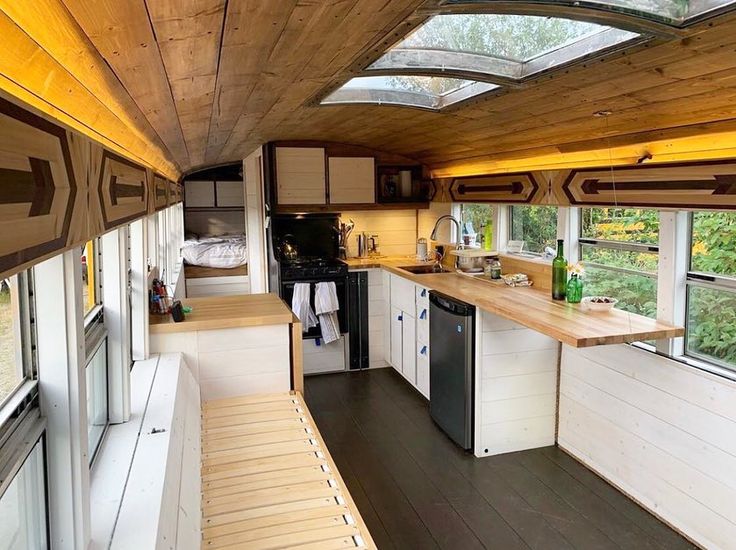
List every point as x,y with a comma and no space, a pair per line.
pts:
501,188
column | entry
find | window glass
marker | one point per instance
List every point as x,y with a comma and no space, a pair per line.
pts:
97,402
635,293
89,276
674,11
23,508
714,243
515,37
711,324
631,225
474,218
11,357
430,92
535,225
645,262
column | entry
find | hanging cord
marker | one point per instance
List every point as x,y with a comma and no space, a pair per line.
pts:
605,115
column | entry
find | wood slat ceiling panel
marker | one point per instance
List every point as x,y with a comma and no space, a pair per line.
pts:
122,33
189,33
67,44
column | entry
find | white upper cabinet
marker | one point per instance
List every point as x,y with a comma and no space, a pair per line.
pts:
300,175
199,194
230,193
352,180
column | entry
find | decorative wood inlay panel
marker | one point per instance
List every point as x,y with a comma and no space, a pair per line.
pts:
698,185
122,190
505,188
160,192
37,186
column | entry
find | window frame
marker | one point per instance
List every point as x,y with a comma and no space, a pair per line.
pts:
510,225
700,279
94,312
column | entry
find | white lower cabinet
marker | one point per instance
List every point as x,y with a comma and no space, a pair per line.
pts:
408,328
408,348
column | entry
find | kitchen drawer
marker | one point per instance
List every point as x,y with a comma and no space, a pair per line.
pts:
423,330
422,297
422,312
402,294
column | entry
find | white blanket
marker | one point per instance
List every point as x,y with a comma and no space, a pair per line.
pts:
226,251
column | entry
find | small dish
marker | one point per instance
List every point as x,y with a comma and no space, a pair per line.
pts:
599,303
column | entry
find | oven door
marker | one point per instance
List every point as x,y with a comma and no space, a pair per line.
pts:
287,293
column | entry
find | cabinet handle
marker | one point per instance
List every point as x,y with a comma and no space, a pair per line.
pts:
423,315
424,350
424,293
400,318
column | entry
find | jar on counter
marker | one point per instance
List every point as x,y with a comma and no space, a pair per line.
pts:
495,268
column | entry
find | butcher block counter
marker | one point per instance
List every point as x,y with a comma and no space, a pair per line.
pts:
533,307
218,312
234,345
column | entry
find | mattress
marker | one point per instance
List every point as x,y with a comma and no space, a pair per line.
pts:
225,251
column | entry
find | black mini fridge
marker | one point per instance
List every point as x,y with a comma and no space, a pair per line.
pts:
452,367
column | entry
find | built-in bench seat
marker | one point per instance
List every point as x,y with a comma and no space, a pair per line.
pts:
268,480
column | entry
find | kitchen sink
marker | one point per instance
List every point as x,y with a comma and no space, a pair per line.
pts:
425,269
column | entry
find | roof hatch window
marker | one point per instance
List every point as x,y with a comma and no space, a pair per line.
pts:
508,46
426,92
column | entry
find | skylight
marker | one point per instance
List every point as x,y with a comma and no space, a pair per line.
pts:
672,12
511,47
427,92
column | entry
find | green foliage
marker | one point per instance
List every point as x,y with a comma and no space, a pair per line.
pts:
477,214
536,225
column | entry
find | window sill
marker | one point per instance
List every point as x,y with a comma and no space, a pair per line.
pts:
526,256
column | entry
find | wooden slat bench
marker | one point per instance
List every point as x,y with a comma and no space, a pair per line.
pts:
268,481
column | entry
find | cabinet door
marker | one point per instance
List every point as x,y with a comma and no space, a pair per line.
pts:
396,338
300,175
409,348
402,294
352,180
199,194
229,193
423,369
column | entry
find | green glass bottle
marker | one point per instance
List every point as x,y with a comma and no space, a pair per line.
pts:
559,272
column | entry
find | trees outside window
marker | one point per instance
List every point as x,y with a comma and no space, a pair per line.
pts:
619,247
711,288
535,225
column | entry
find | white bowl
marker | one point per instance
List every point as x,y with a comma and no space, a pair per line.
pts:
589,304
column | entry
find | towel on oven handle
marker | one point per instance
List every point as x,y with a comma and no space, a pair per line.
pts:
326,305
301,307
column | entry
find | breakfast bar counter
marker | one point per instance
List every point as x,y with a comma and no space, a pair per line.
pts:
533,307
234,345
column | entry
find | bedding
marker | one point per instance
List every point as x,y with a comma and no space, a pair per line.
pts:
224,251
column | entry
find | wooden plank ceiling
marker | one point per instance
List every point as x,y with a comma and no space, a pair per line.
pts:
190,83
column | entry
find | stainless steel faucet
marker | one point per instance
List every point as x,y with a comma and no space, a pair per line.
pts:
433,236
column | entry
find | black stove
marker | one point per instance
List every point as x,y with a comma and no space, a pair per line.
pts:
305,268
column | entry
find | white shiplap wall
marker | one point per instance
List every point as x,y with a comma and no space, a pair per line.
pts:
663,432
396,230
516,387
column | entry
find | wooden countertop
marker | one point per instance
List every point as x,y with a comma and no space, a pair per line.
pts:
216,312
535,309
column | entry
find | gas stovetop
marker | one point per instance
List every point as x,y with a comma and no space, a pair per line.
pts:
312,268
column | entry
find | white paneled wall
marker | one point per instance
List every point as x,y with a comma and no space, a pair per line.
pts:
661,431
376,318
427,218
396,230
320,357
516,387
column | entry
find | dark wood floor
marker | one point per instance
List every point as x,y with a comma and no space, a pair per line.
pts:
417,490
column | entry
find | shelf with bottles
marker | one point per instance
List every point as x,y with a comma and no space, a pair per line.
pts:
401,184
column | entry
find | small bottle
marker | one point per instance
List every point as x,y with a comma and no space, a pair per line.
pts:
495,269
559,272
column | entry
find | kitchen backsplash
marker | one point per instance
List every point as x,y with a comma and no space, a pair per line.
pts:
397,230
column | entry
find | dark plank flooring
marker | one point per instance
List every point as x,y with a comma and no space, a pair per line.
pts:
415,489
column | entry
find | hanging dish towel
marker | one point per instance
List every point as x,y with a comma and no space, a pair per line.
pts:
326,306
301,308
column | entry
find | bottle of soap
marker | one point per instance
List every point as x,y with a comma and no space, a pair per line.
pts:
559,272
487,237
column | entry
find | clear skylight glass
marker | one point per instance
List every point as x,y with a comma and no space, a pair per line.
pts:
515,37
673,12
508,46
428,92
